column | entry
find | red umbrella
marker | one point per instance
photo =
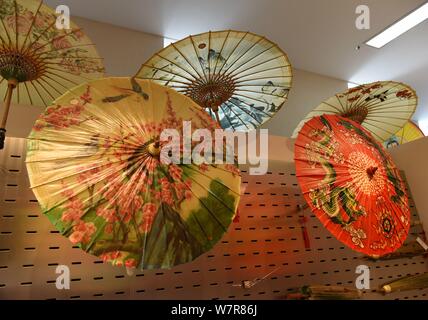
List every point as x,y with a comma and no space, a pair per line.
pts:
352,185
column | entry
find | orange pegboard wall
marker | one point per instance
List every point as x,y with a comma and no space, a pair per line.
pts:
268,237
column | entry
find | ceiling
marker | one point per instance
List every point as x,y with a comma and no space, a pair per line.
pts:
319,35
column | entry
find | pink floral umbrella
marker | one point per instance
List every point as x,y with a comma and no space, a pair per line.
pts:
95,165
40,59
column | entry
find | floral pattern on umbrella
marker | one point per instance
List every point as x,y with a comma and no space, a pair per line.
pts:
43,59
352,185
94,165
382,107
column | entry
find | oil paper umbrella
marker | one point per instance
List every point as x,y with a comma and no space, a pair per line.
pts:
408,133
240,78
352,185
96,165
382,107
410,282
39,61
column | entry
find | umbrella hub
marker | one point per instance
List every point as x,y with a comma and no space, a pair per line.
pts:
212,92
154,149
22,66
357,114
371,171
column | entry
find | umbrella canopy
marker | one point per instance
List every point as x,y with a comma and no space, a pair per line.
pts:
95,165
382,107
408,133
38,61
240,78
352,185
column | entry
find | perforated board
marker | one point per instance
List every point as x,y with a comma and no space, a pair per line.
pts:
268,237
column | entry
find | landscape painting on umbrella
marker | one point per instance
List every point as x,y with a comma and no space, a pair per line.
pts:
240,78
95,166
352,185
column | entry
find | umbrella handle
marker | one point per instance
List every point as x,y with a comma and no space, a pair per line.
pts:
12,83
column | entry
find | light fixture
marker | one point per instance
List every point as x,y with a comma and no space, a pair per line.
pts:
397,29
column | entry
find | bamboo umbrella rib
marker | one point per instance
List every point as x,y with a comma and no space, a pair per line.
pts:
190,167
376,103
41,54
384,104
344,109
4,95
203,204
166,71
208,55
258,110
379,128
171,80
3,43
242,55
233,111
386,117
221,51
185,58
7,32
44,89
261,71
56,81
61,70
262,78
248,97
62,78
28,93
251,59
386,112
204,76
32,25
259,92
177,65
38,37
57,38
178,86
73,57
200,227
243,109
377,91
38,93
211,113
15,5
232,51
263,85
382,122
226,116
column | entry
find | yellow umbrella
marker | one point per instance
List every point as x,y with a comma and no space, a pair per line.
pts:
38,61
382,107
95,165
408,133
240,78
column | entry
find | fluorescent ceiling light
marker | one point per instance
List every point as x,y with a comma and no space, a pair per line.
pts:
400,27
